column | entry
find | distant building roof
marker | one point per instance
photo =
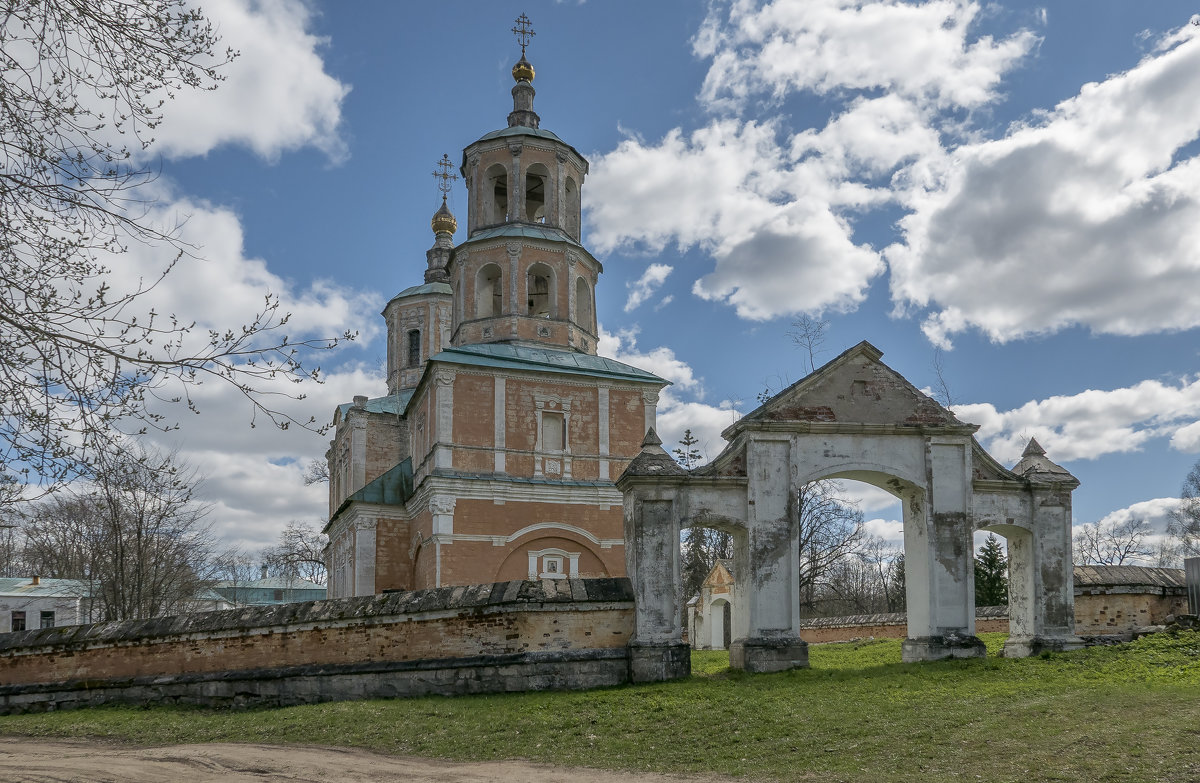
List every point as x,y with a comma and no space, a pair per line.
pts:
46,588
524,357
1110,576
267,583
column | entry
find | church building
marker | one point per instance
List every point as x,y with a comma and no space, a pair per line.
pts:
492,456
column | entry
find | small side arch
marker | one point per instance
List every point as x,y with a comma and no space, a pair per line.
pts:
537,190
496,194
585,310
541,301
489,291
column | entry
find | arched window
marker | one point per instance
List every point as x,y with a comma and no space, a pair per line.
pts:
537,181
570,220
414,347
583,305
496,196
489,291
540,287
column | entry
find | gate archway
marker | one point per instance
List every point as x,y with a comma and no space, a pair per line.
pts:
853,418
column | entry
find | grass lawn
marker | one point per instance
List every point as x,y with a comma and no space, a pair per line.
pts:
1128,713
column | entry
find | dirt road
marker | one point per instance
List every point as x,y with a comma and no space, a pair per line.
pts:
54,761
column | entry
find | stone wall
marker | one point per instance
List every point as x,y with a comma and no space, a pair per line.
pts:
893,625
507,636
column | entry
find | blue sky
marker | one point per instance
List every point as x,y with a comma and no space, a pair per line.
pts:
1014,182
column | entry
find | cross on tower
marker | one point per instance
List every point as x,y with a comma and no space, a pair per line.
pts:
443,175
523,31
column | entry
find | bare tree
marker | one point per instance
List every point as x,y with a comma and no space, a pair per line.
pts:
136,535
1184,524
1113,543
83,85
316,472
808,333
829,530
941,388
299,553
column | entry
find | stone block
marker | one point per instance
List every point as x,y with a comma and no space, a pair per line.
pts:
760,656
659,662
1025,646
936,648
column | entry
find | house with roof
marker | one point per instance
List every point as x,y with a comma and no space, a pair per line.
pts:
266,591
493,453
33,602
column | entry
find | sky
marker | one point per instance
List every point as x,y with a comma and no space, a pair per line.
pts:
1009,189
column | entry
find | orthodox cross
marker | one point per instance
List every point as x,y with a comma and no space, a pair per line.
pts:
443,175
523,31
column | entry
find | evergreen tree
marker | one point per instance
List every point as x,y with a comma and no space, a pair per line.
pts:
687,455
696,563
991,574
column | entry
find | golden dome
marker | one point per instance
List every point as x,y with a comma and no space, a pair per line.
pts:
443,221
522,71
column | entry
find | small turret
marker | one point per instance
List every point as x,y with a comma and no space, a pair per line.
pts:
523,115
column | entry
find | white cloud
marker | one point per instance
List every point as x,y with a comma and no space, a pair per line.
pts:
276,96
919,50
1091,423
644,287
776,209
679,406
1086,216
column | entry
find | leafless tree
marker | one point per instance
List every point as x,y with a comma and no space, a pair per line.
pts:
316,472
83,85
941,388
135,535
1113,543
299,553
808,333
1184,524
829,530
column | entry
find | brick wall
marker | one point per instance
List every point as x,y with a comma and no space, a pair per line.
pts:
495,637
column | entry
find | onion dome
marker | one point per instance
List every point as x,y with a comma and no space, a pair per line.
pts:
523,70
443,222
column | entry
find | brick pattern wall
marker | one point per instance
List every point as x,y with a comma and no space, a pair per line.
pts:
566,625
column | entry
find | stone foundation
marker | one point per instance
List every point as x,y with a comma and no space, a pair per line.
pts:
768,655
935,648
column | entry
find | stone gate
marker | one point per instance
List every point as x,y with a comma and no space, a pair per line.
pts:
854,418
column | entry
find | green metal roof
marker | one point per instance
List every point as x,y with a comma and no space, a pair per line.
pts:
520,130
527,231
390,489
427,288
46,588
393,403
524,357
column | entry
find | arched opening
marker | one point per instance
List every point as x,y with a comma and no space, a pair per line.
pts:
414,347
707,569
537,180
496,194
850,542
540,290
584,310
720,624
570,220
1018,551
489,291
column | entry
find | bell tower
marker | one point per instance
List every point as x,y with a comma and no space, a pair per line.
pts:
523,275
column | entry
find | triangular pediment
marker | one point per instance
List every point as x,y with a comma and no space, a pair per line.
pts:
855,389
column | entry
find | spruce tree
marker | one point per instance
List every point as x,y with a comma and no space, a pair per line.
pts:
687,455
991,574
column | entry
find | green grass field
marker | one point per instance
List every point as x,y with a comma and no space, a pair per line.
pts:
1128,713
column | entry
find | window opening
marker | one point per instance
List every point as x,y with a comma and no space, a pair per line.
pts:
47,620
18,621
498,179
540,299
489,292
535,193
414,347
583,304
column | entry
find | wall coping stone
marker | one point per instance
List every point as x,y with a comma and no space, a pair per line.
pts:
531,595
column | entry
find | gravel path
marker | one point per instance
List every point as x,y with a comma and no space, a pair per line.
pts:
43,761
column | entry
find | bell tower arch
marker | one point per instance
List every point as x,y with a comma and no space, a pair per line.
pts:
523,274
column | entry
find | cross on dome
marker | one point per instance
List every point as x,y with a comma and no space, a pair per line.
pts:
523,31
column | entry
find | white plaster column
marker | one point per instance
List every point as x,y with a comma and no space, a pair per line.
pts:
364,556
602,415
560,190
514,274
443,382
650,398
499,422
516,203
652,561
441,508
